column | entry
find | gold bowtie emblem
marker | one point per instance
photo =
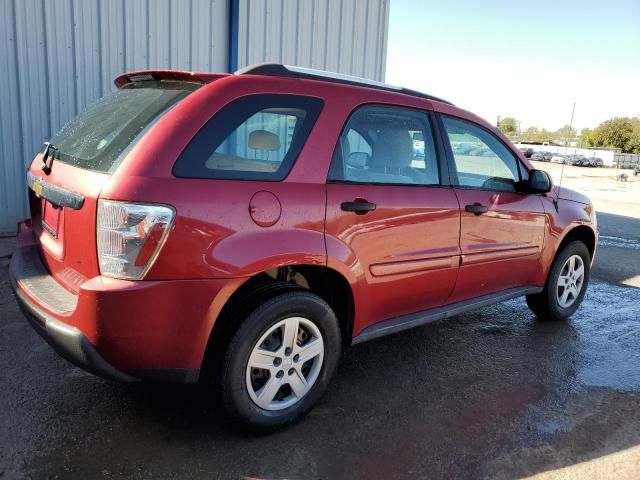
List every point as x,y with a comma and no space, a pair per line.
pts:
37,189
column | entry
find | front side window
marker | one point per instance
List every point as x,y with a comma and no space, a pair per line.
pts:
386,145
257,137
481,160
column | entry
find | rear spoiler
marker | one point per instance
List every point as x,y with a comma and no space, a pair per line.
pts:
170,75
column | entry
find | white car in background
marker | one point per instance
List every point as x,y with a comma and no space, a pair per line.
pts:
559,158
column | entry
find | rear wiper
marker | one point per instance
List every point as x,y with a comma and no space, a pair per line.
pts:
49,151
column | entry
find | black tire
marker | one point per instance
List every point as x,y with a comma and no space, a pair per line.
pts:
236,312
235,395
545,304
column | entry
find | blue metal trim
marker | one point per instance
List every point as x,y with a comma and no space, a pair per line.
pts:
234,20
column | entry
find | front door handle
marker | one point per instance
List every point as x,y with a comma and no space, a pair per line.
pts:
359,206
476,208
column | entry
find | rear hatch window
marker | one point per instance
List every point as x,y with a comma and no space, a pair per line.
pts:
95,139
89,148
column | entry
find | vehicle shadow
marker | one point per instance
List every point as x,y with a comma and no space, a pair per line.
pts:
456,399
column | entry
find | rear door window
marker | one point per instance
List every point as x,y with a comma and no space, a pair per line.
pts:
386,145
257,137
95,139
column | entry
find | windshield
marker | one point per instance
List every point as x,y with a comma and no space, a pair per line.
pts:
95,139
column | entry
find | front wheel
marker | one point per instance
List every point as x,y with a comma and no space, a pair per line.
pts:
566,284
280,360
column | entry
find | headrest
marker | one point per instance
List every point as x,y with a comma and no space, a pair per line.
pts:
358,160
263,140
393,149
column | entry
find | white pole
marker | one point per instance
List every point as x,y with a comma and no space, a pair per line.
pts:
566,142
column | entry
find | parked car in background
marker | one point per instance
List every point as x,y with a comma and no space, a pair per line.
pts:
542,156
576,159
596,162
241,230
526,151
636,171
559,158
592,162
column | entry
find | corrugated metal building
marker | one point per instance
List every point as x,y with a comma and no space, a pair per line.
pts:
346,36
59,56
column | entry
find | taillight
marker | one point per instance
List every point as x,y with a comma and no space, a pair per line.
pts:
130,235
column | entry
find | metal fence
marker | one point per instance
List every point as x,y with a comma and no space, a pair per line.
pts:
626,160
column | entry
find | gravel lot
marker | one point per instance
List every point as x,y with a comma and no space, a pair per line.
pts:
491,394
600,184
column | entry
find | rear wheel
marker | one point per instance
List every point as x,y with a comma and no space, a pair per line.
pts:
280,361
566,285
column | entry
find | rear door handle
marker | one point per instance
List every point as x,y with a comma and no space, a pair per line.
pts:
476,208
358,206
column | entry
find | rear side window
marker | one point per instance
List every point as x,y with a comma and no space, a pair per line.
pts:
257,137
95,139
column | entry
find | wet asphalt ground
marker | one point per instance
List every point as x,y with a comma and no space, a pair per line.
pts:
490,394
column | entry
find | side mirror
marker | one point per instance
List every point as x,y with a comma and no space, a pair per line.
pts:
539,182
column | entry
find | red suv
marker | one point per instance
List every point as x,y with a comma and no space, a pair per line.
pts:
241,230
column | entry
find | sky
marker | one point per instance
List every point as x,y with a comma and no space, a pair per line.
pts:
525,59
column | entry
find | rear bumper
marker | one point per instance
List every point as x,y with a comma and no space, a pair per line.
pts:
69,342
119,329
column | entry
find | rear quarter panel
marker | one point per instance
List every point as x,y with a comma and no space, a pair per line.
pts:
214,235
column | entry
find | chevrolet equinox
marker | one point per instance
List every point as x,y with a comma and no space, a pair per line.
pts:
242,229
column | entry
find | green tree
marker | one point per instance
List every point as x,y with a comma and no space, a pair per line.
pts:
633,145
534,134
531,134
546,136
508,125
565,133
587,137
619,133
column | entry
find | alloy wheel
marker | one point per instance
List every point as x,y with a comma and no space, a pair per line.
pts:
570,281
284,363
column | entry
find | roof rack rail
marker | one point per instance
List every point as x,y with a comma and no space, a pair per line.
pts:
280,70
